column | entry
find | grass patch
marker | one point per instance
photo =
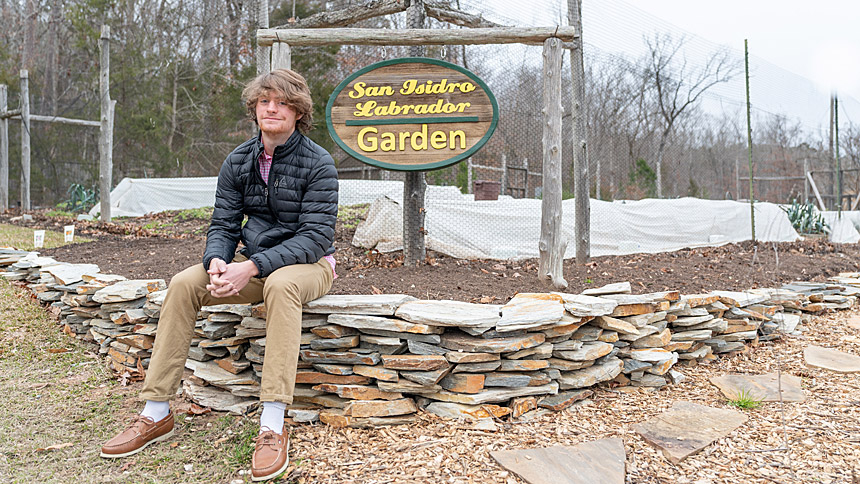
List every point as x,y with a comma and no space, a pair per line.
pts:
745,401
22,237
349,216
57,213
51,399
202,213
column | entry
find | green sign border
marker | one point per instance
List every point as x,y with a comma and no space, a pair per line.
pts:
425,166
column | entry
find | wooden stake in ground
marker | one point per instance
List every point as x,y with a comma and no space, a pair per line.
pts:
551,246
106,131
4,151
25,140
414,186
580,150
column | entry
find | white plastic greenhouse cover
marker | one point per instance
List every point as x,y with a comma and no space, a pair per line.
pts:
135,197
510,228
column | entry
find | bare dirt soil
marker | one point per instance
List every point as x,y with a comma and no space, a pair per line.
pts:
159,246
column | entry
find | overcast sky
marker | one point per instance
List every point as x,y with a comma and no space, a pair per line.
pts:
819,40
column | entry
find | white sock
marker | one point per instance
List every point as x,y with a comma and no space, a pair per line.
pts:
273,416
156,410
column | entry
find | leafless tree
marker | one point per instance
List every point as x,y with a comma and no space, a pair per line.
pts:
676,85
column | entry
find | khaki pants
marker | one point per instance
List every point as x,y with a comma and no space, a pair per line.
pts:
284,291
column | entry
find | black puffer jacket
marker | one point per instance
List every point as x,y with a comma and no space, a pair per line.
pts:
290,221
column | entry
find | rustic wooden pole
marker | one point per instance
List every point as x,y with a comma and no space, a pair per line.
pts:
805,181
581,183
551,245
414,184
106,128
815,191
4,150
749,138
262,49
415,36
25,140
263,52
838,161
62,120
282,56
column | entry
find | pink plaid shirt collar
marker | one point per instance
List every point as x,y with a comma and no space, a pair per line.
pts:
265,165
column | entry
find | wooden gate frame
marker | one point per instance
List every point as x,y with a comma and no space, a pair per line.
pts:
105,125
551,245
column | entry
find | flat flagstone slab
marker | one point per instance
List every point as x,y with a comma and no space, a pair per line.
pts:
128,290
383,324
450,313
614,288
687,428
218,399
492,396
71,273
243,310
529,310
760,387
373,304
596,462
740,299
831,359
579,305
215,375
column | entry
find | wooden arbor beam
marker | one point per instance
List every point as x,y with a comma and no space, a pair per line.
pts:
504,35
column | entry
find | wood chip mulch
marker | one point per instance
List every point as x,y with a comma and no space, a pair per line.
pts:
814,441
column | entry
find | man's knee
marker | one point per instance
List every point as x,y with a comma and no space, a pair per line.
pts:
191,278
282,287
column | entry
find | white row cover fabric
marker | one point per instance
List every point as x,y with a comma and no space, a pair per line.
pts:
135,197
510,228
843,230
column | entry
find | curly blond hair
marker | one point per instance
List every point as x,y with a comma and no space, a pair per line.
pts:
286,84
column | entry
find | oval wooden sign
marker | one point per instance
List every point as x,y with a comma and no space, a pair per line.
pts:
412,114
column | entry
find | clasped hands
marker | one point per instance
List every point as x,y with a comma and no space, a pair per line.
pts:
227,280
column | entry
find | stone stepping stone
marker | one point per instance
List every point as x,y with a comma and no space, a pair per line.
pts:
831,359
760,387
596,462
687,428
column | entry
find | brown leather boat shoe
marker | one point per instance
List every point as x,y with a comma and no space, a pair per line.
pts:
270,455
141,432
